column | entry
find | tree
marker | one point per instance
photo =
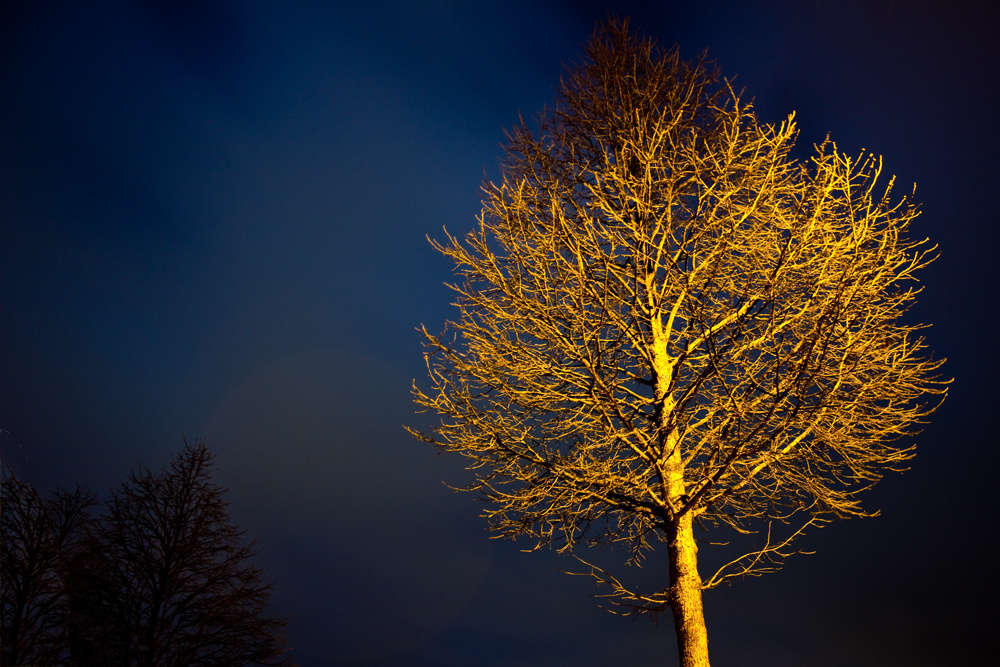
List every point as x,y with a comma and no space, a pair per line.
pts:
664,320
37,539
167,579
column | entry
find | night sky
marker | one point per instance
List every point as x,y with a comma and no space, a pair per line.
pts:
212,224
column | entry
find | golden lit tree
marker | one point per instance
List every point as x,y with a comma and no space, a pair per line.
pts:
664,320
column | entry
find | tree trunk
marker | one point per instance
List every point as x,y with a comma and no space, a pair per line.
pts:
689,618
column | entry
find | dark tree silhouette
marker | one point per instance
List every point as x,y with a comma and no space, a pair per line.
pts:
167,580
37,540
665,321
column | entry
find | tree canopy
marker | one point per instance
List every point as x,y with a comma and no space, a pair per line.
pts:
665,320
36,540
161,577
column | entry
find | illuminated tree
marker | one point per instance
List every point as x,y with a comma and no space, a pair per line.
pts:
665,320
37,539
167,580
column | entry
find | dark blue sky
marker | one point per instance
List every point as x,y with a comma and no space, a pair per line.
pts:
212,222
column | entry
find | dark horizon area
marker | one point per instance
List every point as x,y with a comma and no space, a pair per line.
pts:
213,222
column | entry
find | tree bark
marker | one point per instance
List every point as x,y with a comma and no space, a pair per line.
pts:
689,617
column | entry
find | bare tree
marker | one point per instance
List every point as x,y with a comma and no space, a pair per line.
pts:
168,579
36,541
666,320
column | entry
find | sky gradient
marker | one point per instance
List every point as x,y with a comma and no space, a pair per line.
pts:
212,224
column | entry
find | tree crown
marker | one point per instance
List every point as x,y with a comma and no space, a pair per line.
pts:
663,314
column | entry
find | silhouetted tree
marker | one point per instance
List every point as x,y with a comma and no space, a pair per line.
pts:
167,580
37,539
664,319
